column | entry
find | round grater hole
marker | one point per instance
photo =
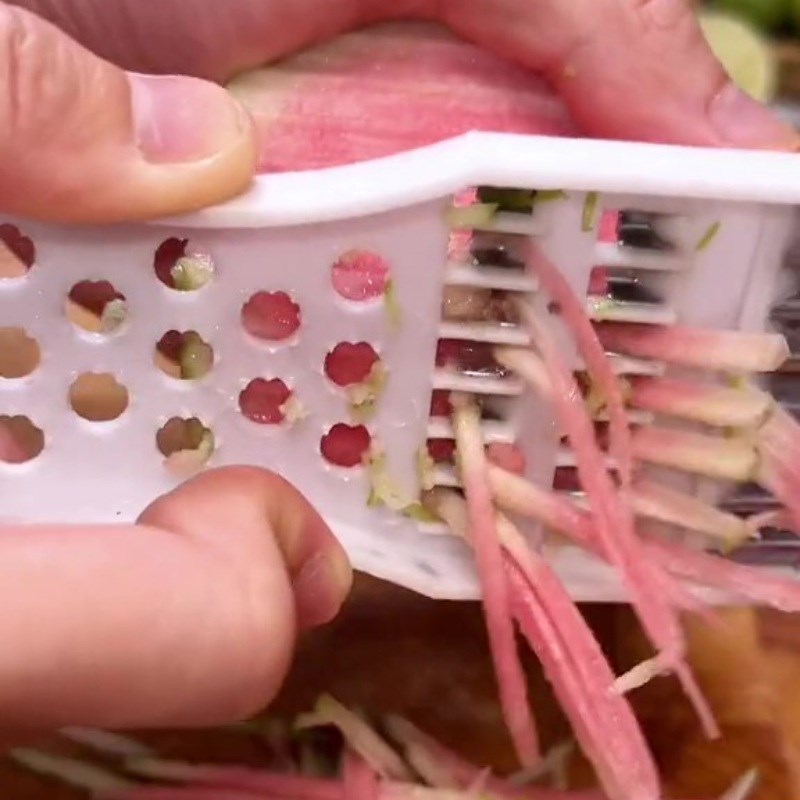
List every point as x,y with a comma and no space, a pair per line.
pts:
360,276
186,444
271,316
345,445
20,440
351,363
182,268
265,401
17,253
98,397
19,353
442,451
96,307
183,355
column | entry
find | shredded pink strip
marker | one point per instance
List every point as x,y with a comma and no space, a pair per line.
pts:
745,581
497,603
360,782
593,353
613,519
620,756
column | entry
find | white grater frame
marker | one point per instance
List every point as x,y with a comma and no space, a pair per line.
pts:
395,205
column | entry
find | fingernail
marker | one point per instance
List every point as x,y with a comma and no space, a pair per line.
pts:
181,120
744,122
321,587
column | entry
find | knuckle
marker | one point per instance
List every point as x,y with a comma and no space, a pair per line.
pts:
14,45
672,32
45,79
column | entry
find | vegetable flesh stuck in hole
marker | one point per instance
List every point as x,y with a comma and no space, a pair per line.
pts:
271,316
360,276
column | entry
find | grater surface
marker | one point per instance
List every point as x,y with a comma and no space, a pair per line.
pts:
725,222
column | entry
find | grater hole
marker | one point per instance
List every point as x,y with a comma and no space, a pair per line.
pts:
271,316
360,276
181,268
186,445
468,357
17,252
351,363
441,451
493,408
96,307
499,250
601,433
641,230
509,200
476,304
19,353
20,440
618,287
440,404
505,455
264,401
183,355
785,319
785,388
98,397
345,445
566,479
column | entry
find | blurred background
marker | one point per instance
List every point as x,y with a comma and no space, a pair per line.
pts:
759,42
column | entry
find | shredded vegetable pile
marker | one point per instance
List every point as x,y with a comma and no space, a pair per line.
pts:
331,753
714,423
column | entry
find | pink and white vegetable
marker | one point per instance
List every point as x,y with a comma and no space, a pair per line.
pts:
495,592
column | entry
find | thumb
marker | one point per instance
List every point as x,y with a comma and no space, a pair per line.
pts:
627,69
83,141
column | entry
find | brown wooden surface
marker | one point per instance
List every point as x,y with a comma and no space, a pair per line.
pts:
393,651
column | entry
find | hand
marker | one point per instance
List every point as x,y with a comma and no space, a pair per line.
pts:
83,140
189,618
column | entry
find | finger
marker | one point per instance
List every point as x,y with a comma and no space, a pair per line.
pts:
207,39
317,565
630,69
83,141
187,619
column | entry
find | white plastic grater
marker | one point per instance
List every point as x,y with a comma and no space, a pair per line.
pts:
729,216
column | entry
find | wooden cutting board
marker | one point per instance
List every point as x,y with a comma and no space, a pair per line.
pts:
394,651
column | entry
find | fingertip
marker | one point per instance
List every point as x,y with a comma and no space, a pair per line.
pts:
321,587
319,569
240,508
743,122
196,146
180,119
